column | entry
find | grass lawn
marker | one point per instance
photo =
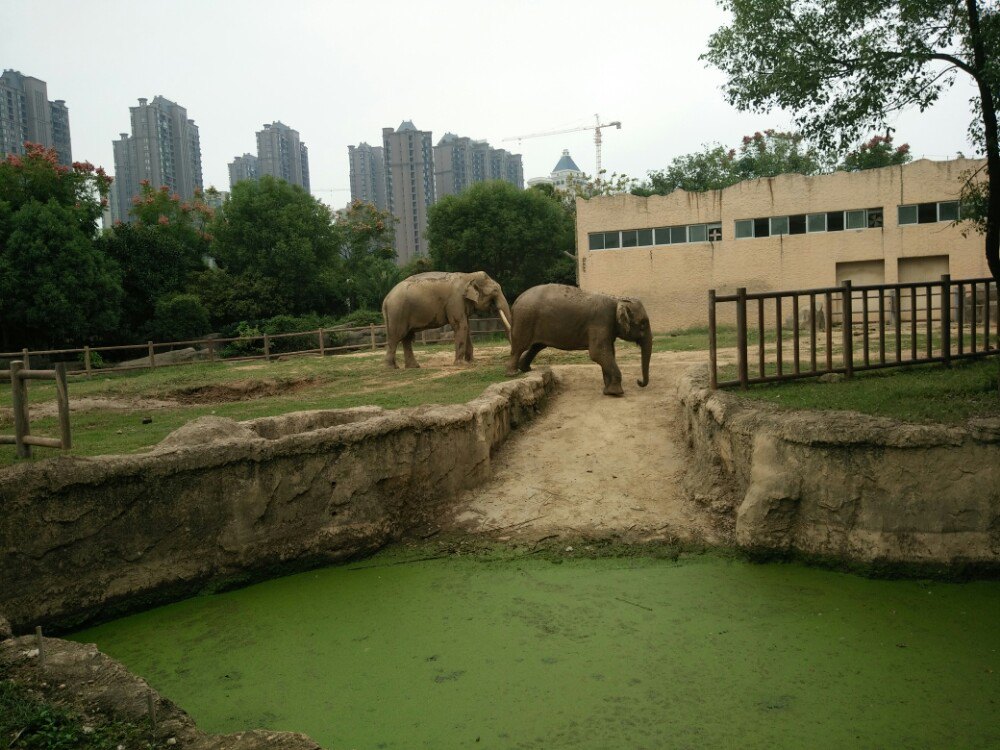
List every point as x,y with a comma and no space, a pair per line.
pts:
923,393
293,384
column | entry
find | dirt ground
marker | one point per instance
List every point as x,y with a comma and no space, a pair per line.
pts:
595,466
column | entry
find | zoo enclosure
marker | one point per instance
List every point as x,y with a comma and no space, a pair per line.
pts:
891,324
266,346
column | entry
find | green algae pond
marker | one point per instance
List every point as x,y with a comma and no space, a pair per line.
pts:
636,652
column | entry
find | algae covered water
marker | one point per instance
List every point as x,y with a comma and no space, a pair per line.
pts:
701,652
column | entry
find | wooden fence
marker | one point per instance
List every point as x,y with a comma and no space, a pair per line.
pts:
19,375
880,325
265,346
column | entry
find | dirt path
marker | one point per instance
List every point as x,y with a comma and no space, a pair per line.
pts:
595,466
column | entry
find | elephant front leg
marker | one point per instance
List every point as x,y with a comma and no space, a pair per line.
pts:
468,344
605,357
408,359
462,343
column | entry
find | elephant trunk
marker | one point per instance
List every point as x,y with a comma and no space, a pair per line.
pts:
646,344
504,310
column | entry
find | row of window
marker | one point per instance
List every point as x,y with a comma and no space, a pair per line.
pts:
658,236
770,226
830,221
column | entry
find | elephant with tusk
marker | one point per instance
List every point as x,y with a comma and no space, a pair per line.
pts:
565,317
430,300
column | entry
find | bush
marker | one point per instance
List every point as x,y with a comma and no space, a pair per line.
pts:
360,318
179,317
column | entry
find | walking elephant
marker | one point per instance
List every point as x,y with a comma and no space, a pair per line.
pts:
565,317
430,300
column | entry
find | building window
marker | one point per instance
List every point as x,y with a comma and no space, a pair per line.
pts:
715,232
797,224
698,233
857,220
645,237
678,235
744,229
597,241
761,228
630,238
662,235
779,225
611,241
835,221
816,223
929,213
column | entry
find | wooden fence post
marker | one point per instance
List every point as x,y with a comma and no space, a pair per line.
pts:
152,355
946,318
371,332
86,359
19,399
322,344
62,397
211,350
25,359
267,348
712,351
741,336
847,323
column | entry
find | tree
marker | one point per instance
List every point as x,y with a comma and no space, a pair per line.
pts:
158,252
56,287
843,67
517,236
878,152
278,252
179,317
365,236
765,154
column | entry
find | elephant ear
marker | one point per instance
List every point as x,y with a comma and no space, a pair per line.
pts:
623,314
473,293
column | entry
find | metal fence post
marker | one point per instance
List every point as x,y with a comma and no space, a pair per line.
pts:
946,318
847,322
712,346
741,336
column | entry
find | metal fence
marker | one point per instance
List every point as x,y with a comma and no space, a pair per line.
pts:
265,346
847,329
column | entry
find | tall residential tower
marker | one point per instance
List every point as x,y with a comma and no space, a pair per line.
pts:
409,172
26,114
281,154
368,174
164,149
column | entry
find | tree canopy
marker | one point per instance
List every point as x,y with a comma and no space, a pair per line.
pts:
517,236
844,67
56,287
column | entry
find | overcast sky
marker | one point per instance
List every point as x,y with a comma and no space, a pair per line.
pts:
338,72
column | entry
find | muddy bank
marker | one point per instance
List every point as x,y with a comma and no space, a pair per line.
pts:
846,487
218,503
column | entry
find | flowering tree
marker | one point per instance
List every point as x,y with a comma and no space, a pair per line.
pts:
365,235
56,286
878,152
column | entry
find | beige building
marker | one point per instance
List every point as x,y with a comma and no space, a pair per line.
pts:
888,225
409,186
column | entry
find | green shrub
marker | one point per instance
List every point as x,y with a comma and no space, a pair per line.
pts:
361,318
179,317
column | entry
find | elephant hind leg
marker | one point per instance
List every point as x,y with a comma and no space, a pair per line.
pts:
408,358
525,360
391,342
468,344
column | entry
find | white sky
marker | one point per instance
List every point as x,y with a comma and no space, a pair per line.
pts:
340,71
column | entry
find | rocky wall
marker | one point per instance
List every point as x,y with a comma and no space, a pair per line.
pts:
219,502
845,486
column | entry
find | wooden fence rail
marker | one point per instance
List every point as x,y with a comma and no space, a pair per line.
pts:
22,438
880,325
149,355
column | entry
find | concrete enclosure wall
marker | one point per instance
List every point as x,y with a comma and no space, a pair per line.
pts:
220,501
847,486
673,280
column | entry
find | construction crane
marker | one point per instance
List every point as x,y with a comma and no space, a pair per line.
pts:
596,127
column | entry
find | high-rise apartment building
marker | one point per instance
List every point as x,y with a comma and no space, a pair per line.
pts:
409,171
26,114
164,149
281,154
460,162
368,174
244,167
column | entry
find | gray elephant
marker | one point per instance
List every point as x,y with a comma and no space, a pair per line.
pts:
565,317
430,300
